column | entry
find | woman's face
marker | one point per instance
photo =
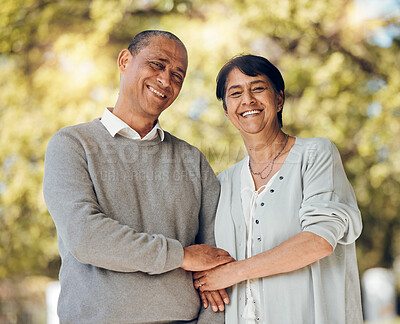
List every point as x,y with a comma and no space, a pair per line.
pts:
252,103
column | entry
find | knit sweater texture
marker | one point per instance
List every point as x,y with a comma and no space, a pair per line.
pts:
124,210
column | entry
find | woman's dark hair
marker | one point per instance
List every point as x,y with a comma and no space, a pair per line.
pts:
251,65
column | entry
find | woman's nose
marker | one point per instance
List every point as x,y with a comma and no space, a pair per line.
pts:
248,98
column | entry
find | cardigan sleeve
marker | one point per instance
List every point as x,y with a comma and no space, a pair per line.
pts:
85,231
329,207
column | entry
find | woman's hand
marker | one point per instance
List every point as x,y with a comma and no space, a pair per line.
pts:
215,299
217,278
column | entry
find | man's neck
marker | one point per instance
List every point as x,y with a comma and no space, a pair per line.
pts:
142,125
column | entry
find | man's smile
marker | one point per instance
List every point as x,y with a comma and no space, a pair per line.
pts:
158,93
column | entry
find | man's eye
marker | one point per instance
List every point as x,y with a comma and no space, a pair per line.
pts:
157,65
178,77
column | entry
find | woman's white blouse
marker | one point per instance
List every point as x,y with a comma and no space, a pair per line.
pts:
250,199
310,193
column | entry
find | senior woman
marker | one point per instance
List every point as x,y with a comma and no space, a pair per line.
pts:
287,213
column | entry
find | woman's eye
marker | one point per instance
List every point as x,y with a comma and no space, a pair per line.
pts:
258,89
235,94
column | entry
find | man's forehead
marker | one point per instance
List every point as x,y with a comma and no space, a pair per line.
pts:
168,51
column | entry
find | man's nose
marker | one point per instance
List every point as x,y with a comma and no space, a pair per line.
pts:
164,78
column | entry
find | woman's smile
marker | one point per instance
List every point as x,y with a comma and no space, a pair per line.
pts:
250,113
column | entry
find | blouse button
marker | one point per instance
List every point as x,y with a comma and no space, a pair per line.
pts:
262,204
280,178
272,190
257,221
259,239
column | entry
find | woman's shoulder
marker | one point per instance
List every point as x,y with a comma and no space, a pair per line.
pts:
317,150
320,142
228,173
314,145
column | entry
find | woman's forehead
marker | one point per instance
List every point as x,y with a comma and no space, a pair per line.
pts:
238,77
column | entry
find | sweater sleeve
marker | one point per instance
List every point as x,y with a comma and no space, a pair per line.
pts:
329,207
85,231
209,201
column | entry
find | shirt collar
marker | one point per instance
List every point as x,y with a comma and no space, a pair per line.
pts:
115,125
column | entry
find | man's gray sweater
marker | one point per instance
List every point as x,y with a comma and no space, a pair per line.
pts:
124,210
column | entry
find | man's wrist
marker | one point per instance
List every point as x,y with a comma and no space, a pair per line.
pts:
184,259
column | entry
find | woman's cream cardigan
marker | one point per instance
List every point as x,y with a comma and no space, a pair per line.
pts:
311,193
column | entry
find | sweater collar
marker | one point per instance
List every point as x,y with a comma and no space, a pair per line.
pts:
115,125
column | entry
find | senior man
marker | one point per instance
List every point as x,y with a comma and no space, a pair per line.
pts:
133,205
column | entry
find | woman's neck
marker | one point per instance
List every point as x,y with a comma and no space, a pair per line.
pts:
262,148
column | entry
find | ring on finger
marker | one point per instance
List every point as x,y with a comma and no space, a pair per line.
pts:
200,284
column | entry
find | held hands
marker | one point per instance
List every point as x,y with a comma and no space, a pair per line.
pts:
202,257
211,284
217,278
216,299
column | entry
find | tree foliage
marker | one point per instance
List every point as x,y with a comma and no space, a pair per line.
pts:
58,68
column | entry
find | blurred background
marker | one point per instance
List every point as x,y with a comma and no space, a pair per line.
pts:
340,61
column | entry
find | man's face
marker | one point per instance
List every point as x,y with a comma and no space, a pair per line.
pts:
153,78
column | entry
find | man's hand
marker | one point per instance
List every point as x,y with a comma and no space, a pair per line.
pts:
202,257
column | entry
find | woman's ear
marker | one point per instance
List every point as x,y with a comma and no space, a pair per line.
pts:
280,101
226,114
123,60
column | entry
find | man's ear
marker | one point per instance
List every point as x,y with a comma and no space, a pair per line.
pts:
123,60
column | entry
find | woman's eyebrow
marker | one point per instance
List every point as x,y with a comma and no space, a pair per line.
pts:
257,81
236,86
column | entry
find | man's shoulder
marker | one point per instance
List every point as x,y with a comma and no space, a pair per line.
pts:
78,135
82,130
178,142
87,127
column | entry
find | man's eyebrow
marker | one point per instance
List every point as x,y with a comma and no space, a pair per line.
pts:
178,68
236,86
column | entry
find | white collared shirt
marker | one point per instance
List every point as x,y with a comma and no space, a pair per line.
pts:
251,198
115,125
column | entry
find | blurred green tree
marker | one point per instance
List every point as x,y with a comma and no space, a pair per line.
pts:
58,68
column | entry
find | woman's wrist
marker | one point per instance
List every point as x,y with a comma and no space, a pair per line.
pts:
238,270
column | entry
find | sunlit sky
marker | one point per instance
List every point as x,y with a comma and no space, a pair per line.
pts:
386,9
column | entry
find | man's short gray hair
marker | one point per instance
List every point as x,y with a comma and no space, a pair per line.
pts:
142,40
